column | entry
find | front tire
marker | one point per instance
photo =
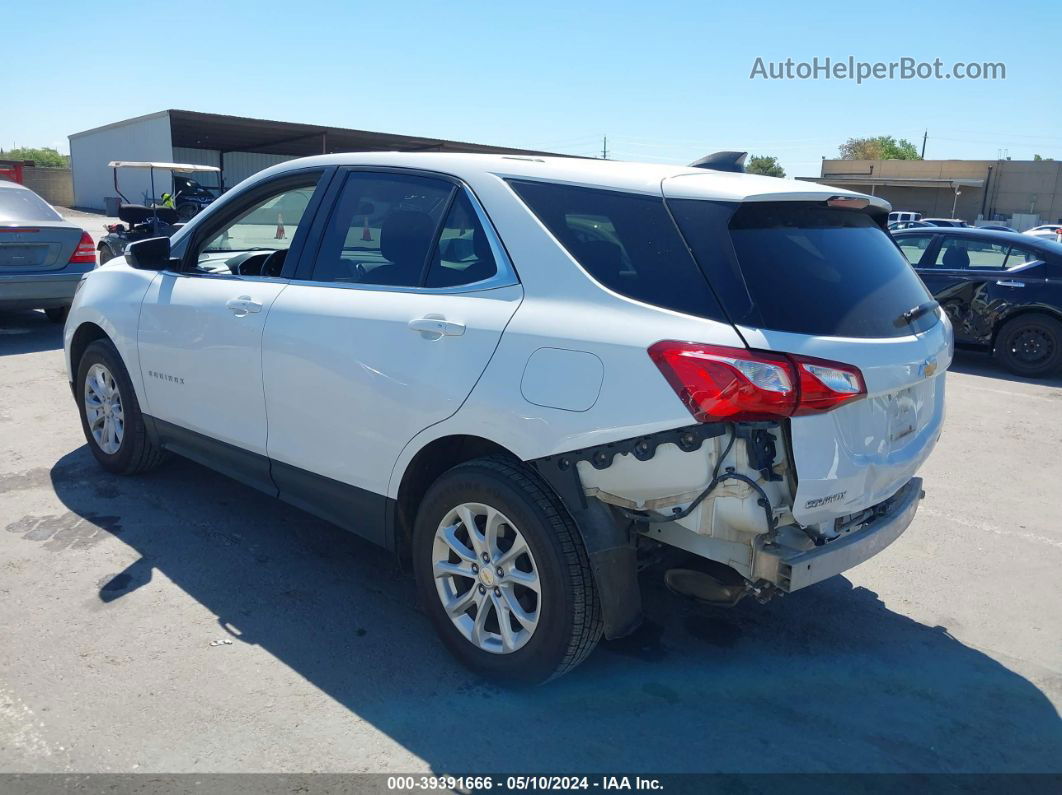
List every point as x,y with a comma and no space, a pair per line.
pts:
1030,345
105,254
503,574
110,414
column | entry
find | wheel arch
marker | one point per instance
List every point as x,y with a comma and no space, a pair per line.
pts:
85,334
609,545
425,467
1025,309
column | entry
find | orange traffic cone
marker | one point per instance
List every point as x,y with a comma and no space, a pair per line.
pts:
280,235
365,233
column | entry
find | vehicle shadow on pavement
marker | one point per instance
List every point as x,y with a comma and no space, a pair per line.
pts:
28,332
830,679
974,363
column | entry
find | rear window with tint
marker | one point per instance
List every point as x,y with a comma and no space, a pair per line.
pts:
805,268
626,241
20,205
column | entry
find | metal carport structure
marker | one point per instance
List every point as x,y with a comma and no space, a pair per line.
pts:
238,145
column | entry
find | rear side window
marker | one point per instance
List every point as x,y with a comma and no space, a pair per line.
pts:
1019,256
626,241
20,205
462,254
805,268
382,229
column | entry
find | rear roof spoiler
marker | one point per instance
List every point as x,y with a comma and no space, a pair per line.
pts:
722,161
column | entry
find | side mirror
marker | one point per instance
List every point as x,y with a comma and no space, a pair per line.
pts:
152,254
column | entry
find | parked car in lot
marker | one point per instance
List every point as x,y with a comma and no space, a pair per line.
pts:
902,216
1052,232
42,256
527,376
997,227
894,225
945,222
1002,291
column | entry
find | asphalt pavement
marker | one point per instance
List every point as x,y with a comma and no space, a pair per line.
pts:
181,622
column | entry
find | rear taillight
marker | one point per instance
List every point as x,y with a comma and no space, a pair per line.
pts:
825,385
85,253
718,383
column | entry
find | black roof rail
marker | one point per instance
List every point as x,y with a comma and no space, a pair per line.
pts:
722,161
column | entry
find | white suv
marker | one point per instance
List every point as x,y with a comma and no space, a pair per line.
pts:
528,375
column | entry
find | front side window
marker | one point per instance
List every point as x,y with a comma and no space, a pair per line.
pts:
255,242
383,229
269,224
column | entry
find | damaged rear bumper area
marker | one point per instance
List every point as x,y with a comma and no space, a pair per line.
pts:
799,566
720,491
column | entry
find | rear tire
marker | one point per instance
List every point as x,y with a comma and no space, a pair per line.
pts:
110,414
1030,345
105,254
57,314
549,631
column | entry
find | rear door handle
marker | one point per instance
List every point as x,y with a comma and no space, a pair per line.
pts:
243,305
435,327
1007,283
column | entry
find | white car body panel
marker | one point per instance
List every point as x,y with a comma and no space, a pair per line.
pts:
861,453
634,399
202,363
348,382
110,297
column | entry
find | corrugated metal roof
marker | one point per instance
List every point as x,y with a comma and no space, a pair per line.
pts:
238,133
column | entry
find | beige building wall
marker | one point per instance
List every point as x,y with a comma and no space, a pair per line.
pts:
54,185
1011,186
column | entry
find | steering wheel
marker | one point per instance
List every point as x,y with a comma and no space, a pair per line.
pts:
247,263
274,263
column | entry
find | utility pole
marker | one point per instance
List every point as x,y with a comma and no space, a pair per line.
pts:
924,136
604,147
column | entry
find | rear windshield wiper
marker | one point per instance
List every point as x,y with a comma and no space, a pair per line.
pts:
911,315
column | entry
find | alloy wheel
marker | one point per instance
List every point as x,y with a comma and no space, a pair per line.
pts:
486,578
103,409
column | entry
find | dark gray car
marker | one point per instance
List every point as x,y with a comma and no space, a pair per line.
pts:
42,256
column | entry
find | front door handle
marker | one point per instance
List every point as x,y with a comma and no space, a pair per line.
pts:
436,327
243,305
1008,283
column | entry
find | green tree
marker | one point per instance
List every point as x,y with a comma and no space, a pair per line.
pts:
45,156
881,147
1038,157
767,165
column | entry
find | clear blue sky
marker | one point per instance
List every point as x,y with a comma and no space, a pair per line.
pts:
665,80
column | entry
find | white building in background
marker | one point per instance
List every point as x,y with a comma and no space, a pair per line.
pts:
239,146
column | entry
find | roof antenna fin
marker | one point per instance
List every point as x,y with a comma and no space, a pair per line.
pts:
722,161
